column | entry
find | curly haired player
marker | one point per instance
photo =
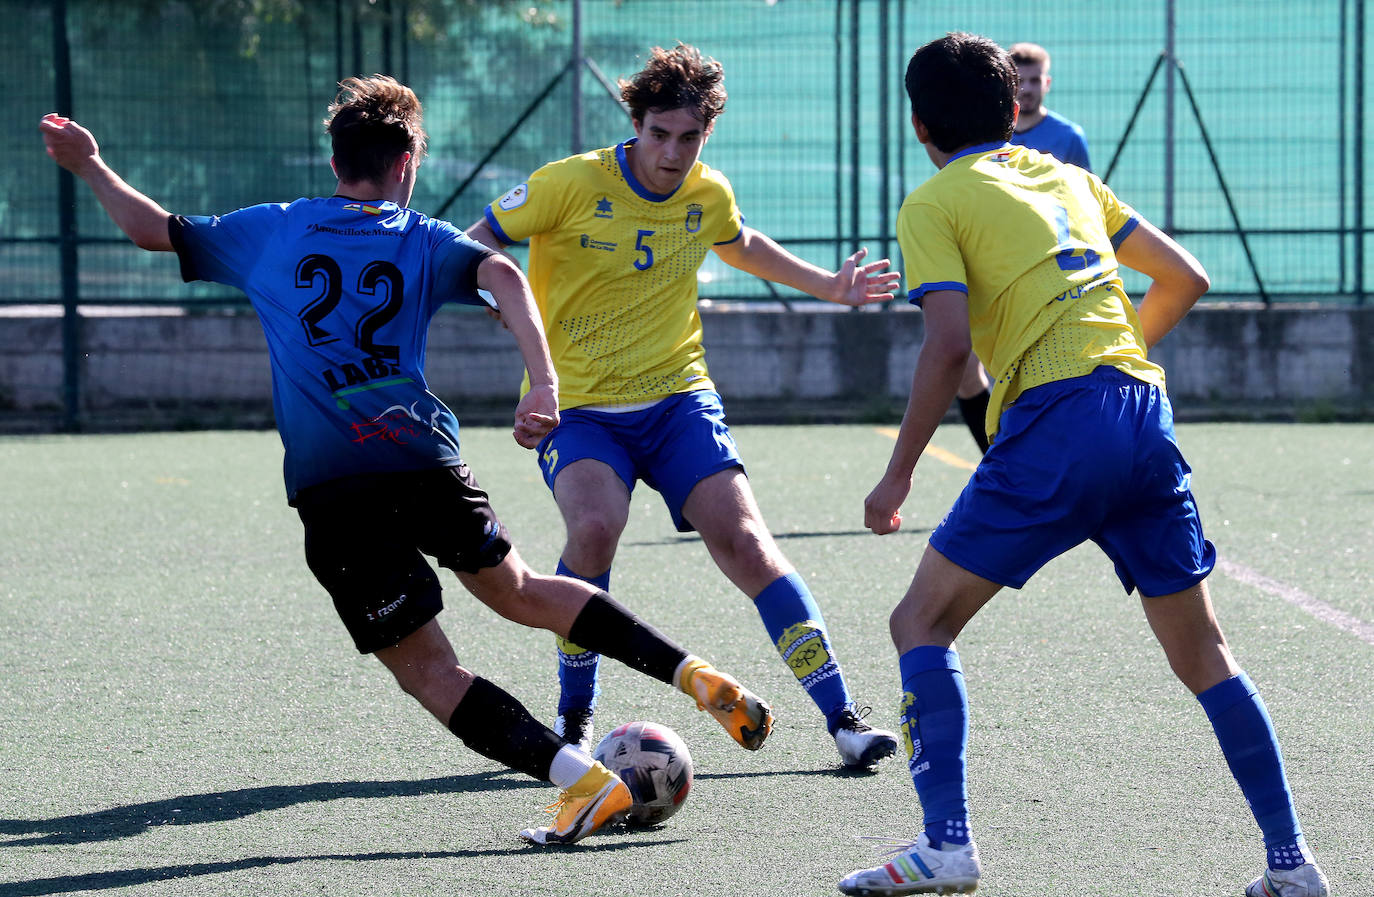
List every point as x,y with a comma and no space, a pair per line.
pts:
616,238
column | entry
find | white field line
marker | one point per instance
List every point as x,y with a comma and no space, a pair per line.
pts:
1297,597
1314,606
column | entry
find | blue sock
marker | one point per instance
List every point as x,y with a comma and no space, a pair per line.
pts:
577,668
795,625
935,729
1247,740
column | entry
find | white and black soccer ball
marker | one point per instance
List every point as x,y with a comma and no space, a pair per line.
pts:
654,764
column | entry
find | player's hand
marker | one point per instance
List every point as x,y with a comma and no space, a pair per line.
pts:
69,144
857,284
536,415
883,507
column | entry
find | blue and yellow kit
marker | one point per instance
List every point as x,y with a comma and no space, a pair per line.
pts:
1036,256
613,267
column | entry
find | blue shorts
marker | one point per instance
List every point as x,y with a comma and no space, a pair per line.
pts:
672,446
1095,458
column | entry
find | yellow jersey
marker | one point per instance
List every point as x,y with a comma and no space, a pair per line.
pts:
613,267
1032,242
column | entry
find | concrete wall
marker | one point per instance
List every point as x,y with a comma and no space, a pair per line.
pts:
210,369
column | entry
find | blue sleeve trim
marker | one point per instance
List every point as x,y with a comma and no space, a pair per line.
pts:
915,296
733,239
496,227
1125,231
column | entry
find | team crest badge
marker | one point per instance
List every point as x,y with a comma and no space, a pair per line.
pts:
693,222
515,198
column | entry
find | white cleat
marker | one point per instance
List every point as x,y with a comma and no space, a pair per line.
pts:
1305,881
860,745
915,867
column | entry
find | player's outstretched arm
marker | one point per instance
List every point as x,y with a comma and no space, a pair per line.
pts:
74,148
939,369
1178,279
537,412
853,284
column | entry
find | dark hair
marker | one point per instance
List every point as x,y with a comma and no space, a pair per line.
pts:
962,88
680,78
1027,53
371,122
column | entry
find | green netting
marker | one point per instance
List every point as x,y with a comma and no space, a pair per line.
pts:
211,106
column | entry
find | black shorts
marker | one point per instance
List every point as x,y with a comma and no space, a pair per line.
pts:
364,539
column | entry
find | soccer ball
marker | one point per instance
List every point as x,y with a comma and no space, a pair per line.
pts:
654,764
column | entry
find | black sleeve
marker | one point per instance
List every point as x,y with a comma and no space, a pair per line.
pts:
176,227
470,278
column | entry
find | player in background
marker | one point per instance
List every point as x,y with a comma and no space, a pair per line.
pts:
1017,255
1040,129
345,287
616,238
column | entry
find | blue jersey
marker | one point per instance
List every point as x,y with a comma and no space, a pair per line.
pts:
345,291
1059,137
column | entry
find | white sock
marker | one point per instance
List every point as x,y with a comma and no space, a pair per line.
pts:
569,764
677,673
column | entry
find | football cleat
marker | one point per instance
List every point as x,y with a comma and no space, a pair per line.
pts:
575,727
1305,881
597,798
916,867
743,714
861,746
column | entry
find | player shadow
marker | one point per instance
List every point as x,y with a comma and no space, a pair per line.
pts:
827,534
837,771
124,878
683,538
221,806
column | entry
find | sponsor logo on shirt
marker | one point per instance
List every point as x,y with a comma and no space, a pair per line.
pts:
589,243
515,198
397,424
357,231
603,208
371,373
693,222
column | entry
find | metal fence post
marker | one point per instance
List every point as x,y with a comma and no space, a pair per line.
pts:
1358,141
67,234
577,57
1170,129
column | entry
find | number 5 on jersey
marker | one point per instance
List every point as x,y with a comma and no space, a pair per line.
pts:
647,262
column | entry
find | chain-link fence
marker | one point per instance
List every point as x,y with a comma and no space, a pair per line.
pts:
1238,126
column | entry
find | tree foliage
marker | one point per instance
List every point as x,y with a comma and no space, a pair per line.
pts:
425,21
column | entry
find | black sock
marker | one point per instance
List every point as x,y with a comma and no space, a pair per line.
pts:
497,726
607,627
974,410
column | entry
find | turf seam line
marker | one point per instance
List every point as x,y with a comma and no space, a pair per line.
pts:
1312,605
